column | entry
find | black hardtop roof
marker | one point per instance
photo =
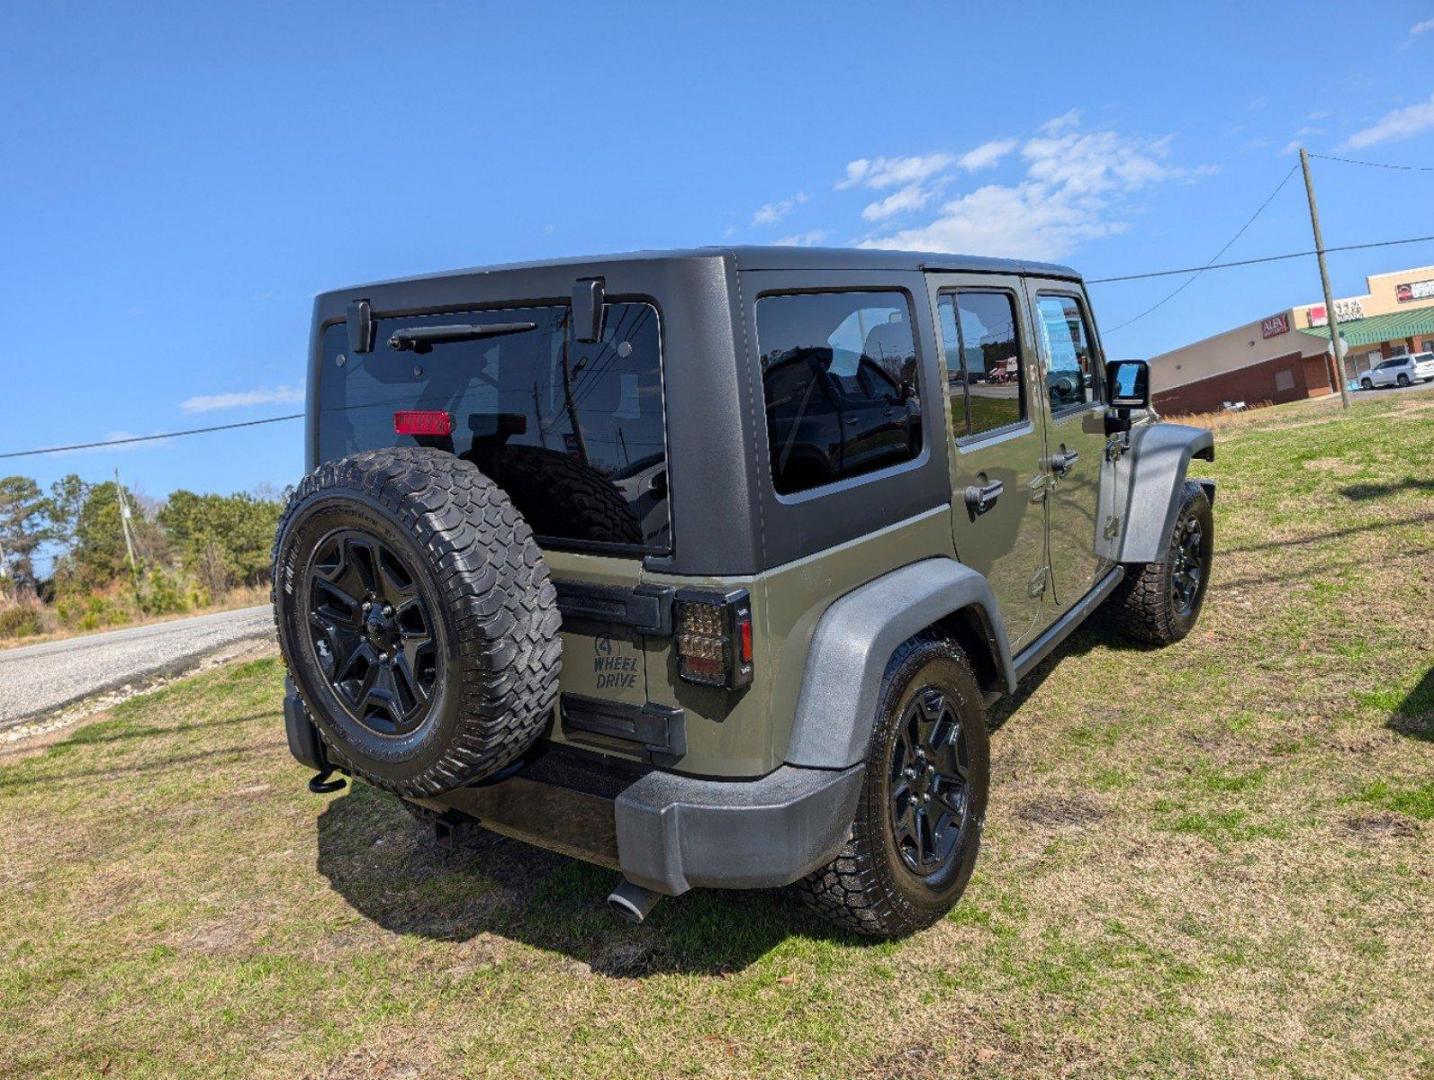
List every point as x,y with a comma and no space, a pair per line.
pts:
768,258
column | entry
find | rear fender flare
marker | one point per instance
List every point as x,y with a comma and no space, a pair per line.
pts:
1158,459
856,637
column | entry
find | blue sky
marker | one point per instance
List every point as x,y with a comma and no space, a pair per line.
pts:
180,179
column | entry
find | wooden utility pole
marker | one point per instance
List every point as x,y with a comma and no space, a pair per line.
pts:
124,527
1332,322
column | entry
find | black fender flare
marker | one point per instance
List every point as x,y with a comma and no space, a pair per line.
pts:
856,637
1158,458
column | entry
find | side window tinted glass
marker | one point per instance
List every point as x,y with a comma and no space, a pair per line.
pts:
839,378
1071,371
983,358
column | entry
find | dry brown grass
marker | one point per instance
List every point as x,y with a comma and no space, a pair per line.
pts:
1212,860
241,597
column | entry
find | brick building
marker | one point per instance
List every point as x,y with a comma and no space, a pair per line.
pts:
1285,356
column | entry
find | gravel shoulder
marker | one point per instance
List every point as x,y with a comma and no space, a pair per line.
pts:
38,679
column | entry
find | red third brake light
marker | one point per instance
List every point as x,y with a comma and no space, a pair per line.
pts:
422,422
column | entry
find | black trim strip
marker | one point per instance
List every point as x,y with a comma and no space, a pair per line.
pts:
658,732
642,609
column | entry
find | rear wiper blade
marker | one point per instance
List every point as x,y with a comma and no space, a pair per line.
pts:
420,339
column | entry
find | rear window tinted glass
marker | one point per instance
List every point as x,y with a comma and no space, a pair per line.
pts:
573,432
983,360
840,382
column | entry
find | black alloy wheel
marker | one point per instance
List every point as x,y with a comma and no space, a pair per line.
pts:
916,832
1187,566
929,783
373,633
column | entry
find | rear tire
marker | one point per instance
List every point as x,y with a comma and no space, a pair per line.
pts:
909,853
1158,603
1403,380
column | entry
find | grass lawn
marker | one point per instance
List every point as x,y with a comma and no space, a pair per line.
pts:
1213,860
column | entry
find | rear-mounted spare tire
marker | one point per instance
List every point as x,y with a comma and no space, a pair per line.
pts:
416,618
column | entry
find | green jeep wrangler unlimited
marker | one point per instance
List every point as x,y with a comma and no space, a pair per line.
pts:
705,565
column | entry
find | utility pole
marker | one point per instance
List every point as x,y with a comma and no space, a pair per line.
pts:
124,527
1333,322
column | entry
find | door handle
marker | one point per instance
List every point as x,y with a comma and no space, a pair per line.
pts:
980,498
1061,463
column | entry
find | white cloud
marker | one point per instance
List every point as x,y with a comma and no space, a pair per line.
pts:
806,239
1396,124
1292,147
882,172
279,395
1056,124
773,212
911,197
1421,28
987,154
1074,188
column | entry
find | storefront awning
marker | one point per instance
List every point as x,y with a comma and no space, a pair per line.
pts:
1377,328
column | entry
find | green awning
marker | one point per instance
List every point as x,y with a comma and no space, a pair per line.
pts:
1377,328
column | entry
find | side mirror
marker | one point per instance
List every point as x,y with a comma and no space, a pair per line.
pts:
1128,383
1127,386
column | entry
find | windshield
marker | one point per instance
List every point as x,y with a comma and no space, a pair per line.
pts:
573,432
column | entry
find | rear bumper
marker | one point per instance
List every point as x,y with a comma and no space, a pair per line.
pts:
661,830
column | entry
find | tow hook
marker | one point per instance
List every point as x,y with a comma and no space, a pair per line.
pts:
320,784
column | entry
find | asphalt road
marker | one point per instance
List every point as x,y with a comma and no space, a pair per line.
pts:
37,679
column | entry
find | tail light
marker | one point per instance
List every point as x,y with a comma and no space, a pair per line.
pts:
714,638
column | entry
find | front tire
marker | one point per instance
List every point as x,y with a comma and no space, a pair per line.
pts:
1367,384
917,831
1158,603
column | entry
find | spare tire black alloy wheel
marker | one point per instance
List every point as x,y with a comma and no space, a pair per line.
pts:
417,619
373,634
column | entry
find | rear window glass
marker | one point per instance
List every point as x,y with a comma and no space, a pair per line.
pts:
573,432
840,382
983,357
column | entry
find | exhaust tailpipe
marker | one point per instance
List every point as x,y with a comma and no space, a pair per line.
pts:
632,902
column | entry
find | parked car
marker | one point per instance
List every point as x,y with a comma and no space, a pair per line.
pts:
1400,371
697,566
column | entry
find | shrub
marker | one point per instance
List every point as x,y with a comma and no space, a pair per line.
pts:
21,620
93,610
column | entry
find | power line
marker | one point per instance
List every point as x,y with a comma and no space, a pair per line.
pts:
1254,262
149,438
1182,286
1374,164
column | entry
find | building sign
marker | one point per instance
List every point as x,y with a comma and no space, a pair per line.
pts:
1275,325
1344,311
1414,290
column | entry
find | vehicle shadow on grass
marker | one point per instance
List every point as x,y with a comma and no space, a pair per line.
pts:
1415,715
386,865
